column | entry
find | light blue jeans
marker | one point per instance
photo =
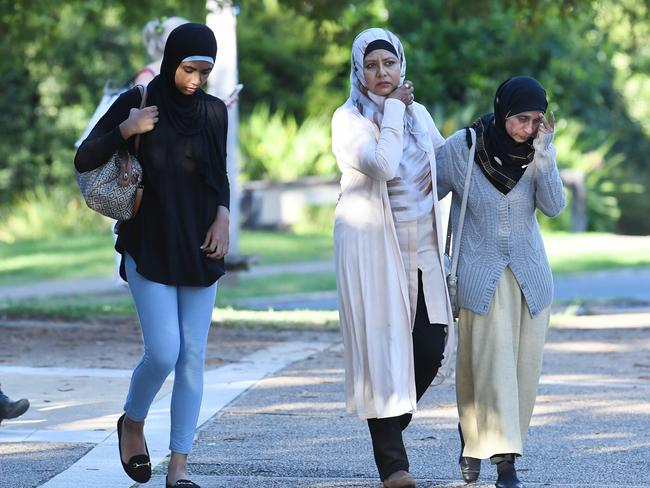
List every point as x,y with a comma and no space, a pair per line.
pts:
175,321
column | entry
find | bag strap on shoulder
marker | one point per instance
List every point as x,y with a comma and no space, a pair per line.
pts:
463,208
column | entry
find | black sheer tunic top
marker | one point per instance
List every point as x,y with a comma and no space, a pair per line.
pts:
182,190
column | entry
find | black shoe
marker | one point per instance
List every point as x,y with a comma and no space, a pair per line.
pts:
470,468
10,409
139,467
506,470
181,484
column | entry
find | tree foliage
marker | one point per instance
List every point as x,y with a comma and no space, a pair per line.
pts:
55,57
294,56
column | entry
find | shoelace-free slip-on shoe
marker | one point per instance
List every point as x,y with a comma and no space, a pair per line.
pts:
139,466
400,479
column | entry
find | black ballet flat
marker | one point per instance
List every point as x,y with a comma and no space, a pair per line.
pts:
139,467
181,484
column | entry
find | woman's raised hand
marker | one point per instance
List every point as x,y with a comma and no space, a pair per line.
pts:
545,132
404,93
547,125
139,121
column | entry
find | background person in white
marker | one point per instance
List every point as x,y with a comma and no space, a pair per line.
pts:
393,304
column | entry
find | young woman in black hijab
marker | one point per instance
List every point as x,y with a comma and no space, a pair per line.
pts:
505,286
173,249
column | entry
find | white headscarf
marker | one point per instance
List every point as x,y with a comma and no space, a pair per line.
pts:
371,106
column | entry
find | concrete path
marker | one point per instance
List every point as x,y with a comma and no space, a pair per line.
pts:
85,416
615,284
276,419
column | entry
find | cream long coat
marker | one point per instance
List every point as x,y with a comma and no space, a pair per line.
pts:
373,290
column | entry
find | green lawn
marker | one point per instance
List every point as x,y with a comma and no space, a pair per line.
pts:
570,253
92,255
119,304
27,261
80,308
86,255
285,284
275,247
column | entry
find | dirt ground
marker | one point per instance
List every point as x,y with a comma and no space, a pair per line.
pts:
117,344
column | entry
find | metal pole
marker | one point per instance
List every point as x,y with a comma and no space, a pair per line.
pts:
222,20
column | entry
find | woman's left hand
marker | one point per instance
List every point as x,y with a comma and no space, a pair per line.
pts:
217,239
547,126
545,132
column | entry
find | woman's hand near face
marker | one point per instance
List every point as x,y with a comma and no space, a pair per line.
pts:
139,121
404,93
545,132
217,239
547,126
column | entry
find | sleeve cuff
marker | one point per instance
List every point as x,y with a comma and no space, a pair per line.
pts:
393,113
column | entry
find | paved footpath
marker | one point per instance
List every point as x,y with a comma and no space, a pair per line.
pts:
275,418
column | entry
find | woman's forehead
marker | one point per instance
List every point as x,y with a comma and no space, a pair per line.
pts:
533,114
380,54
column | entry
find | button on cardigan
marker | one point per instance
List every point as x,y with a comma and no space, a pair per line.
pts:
501,230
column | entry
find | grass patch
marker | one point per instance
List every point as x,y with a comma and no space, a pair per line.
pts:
81,256
280,320
571,253
276,285
275,247
69,308
120,306
91,254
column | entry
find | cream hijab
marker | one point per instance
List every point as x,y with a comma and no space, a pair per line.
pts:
371,106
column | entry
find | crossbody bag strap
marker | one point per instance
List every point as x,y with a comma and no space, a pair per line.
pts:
463,206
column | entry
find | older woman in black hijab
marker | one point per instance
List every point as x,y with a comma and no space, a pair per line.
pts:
505,286
173,250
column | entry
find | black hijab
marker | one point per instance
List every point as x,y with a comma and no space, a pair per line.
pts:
191,128
187,113
502,159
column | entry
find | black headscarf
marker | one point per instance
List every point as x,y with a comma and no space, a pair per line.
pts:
187,113
189,125
493,144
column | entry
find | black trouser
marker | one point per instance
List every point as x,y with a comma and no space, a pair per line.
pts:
428,349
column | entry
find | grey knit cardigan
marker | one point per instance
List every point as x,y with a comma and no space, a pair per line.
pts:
501,230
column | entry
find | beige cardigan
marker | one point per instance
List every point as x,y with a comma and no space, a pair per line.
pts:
373,289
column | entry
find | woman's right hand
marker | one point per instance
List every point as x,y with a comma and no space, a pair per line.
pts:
404,93
139,121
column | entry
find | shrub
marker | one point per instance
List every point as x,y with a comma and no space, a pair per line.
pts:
276,147
46,212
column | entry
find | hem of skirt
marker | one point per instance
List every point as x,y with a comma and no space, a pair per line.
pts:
365,415
486,453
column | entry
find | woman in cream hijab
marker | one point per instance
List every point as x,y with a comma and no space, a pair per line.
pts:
394,308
